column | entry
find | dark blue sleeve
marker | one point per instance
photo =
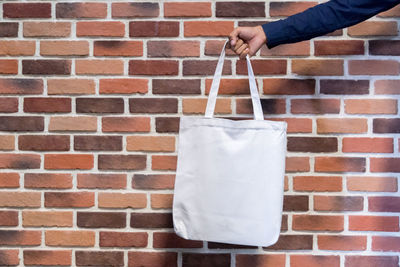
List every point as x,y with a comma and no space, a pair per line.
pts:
322,19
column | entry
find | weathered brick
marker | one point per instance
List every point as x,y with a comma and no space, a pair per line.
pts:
198,106
278,9
275,86
48,180
74,124
292,242
68,161
235,9
372,184
261,260
385,164
47,218
367,145
47,257
19,161
100,29
8,29
314,260
47,104
43,142
9,180
374,67
293,49
118,48
312,144
387,261
9,105
27,10
99,258
187,9
125,124
171,240
153,28
8,66
123,239
20,237
262,66
101,181
150,143
206,259
384,204
204,67
9,257
163,162
373,223
153,105
315,67
8,218
46,67
338,203
123,86
373,28
344,87
315,106
317,183
152,259
167,124
386,243
208,28
295,203
99,67
97,143
83,10
338,47
79,238
318,222
21,86
122,200
176,86
161,201
101,219
153,181
122,162
384,47
173,49
135,10
17,48
386,125
269,106
389,87
339,164
297,164
47,29
153,67
99,105
64,48
69,199
341,125
70,86
342,242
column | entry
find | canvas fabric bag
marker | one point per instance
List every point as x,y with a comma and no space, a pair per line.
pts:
230,174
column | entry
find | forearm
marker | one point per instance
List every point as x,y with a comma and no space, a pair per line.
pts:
322,19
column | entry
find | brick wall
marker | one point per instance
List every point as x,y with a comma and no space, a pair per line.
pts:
90,99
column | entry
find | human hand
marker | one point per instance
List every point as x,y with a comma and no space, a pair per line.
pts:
247,40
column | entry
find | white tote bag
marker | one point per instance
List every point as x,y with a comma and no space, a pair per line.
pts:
230,175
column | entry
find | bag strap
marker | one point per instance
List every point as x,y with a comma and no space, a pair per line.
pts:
212,98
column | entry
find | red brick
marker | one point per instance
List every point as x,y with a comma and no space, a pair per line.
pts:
295,49
150,143
245,260
312,144
121,162
274,86
47,257
152,259
101,219
171,240
339,164
68,161
47,29
314,261
163,162
201,259
153,181
99,67
83,10
135,10
338,203
374,67
9,105
99,258
373,223
17,48
70,238
204,67
317,183
21,86
367,145
297,164
101,181
187,9
208,28
372,184
99,105
167,124
8,218
19,161
153,28
9,257
153,67
385,164
27,10
9,180
386,125
318,222
47,104
123,86
342,242
118,48
315,106
47,219
344,87
338,47
161,201
151,220
341,125
25,123
177,86
269,106
64,48
315,67
296,125
20,237
235,9
122,200
100,28
356,261
214,47
8,29
8,66
153,105
292,242
75,124
371,106
97,143
122,239
262,66
387,87
384,204
384,47
374,28
386,243
125,124
173,49
279,9
70,86
46,67
48,180
69,199
295,203
198,106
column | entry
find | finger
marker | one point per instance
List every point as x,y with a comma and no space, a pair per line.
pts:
239,43
233,36
244,53
241,49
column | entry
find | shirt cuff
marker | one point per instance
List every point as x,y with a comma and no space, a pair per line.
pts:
274,31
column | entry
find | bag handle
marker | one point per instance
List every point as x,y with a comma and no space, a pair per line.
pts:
212,98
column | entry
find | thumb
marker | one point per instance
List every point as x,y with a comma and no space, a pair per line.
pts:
233,36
